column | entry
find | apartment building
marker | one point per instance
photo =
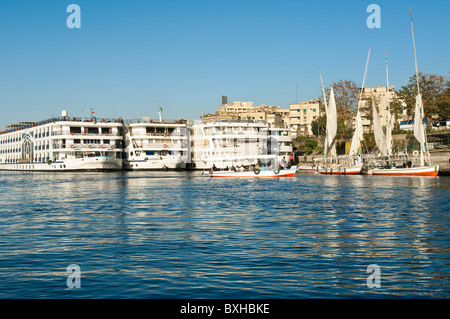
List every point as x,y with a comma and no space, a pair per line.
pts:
301,116
380,95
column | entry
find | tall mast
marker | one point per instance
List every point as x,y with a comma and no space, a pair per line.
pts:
388,123
415,56
358,134
326,112
364,78
423,147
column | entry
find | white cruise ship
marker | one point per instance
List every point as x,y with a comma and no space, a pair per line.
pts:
62,144
156,145
225,144
279,142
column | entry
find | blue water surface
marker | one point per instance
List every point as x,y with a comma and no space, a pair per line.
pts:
181,235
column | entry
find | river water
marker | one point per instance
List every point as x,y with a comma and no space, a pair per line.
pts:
180,235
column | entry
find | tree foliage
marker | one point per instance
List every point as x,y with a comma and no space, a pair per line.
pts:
433,88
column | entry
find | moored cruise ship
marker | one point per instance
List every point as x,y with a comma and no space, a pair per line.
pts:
229,143
156,145
62,144
279,142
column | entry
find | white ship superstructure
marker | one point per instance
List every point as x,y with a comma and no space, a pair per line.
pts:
156,145
61,144
225,144
279,142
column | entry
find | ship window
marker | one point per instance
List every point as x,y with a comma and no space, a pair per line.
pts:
149,153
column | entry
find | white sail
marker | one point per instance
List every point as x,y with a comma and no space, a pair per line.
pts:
355,147
332,123
389,134
378,131
357,136
419,132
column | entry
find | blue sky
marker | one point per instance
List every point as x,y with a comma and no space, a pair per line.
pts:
128,57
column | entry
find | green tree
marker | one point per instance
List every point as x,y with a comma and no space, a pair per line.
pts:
346,95
396,108
433,88
319,126
443,103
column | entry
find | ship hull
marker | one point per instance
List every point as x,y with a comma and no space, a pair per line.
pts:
81,164
341,171
252,174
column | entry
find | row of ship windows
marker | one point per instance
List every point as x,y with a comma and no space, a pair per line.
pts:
37,160
18,150
19,139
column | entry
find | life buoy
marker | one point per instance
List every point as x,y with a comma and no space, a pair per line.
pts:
276,171
100,146
416,153
256,171
84,133
73,133
211,172
112,147
165,145
106,133
72,146
166,134
148,134
90,146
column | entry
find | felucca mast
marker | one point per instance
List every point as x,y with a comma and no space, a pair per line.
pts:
388,123
423,147
326,112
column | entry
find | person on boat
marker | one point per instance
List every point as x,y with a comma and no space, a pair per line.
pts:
283,163
214,168
291,159
263,167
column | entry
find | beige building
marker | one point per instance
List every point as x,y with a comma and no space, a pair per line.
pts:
301,117
381,96
275,116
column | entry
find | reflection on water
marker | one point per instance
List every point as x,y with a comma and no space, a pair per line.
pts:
181,235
